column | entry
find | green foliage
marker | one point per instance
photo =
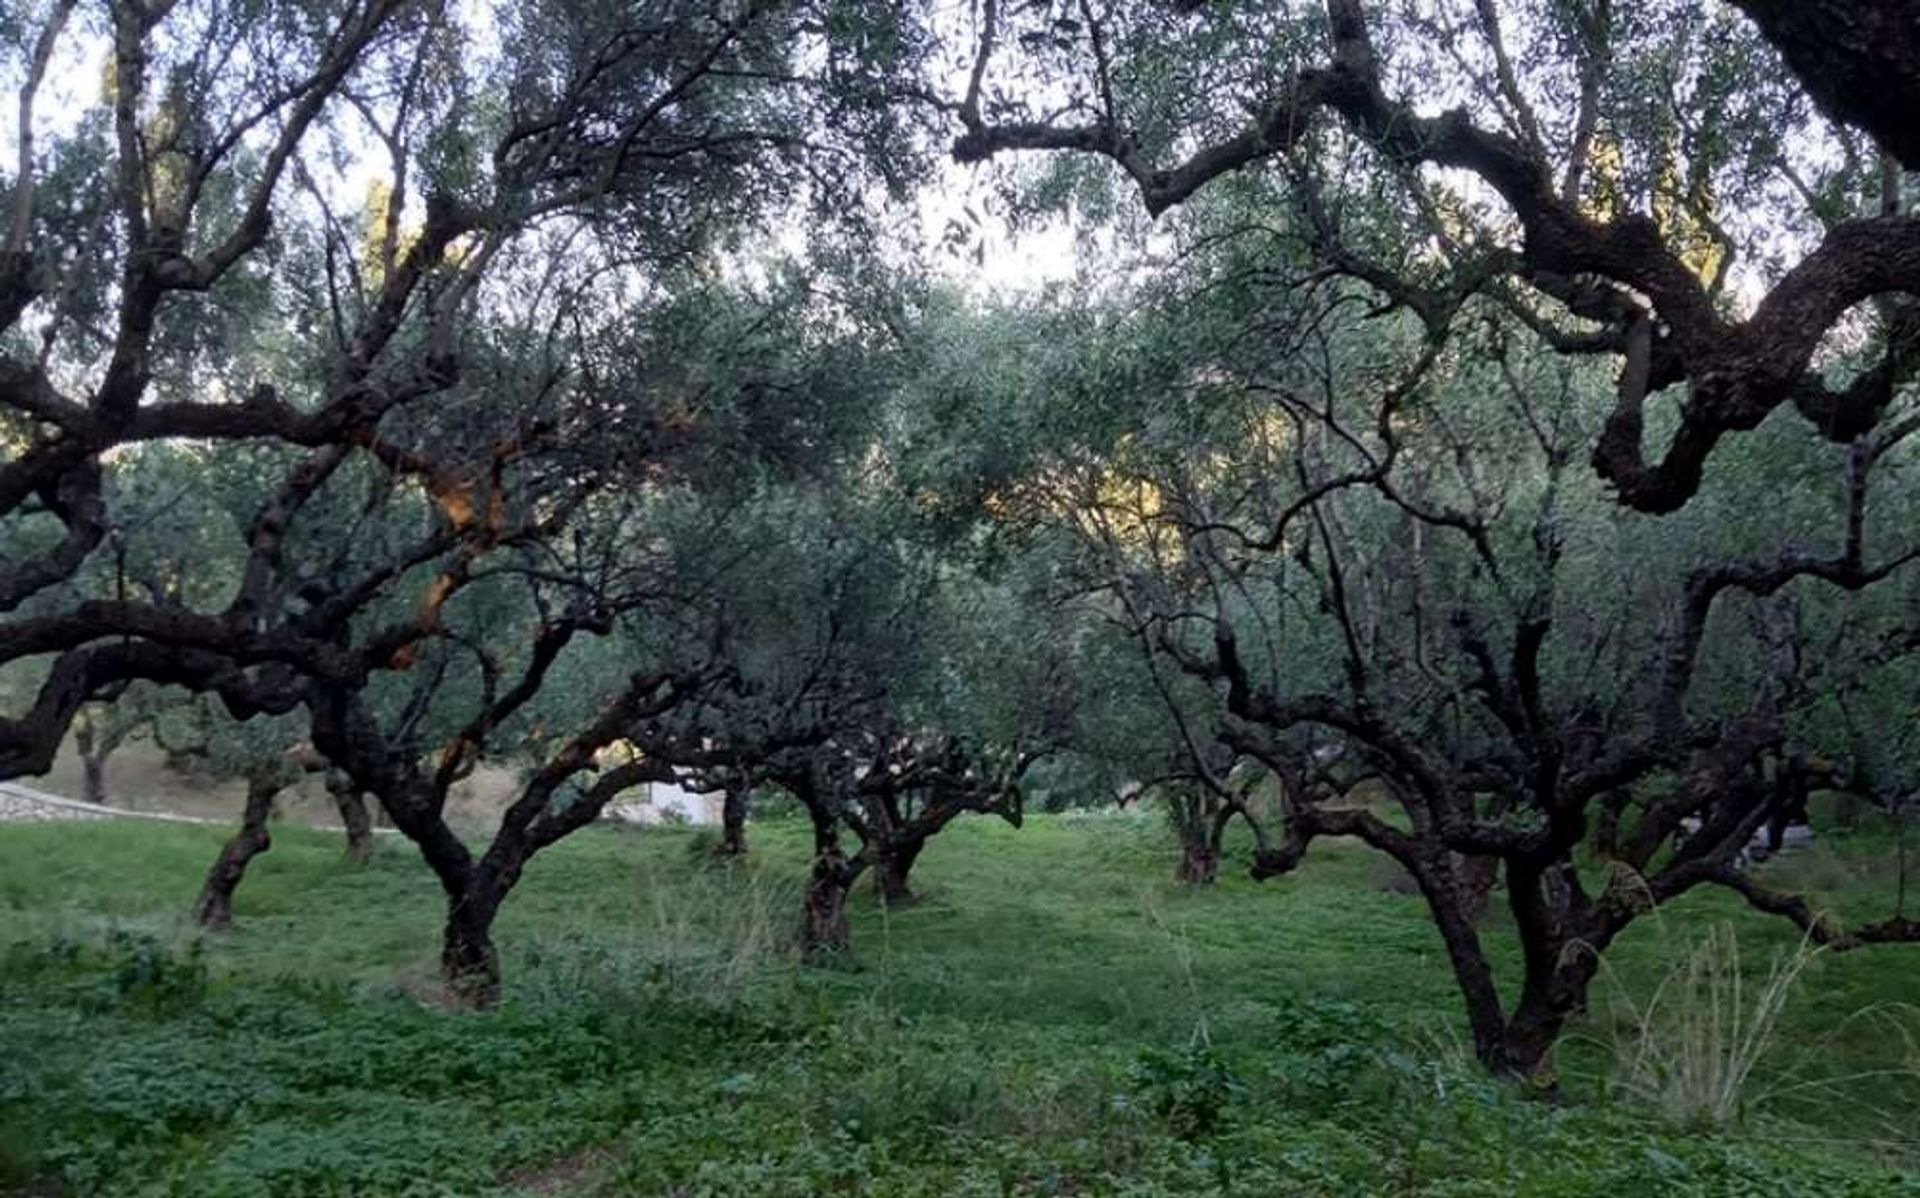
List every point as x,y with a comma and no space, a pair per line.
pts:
835,480
1189,1091
131,972
1027,1029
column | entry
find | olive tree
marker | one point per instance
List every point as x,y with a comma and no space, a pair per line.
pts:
1358,525
191,262
1644,184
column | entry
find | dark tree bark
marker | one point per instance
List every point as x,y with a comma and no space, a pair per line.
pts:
1446,897
1563,931
1666,796
469,962
214,908
733,823
894,794
354,817
94,767
1200,817
1199,864
401,348
59,466
1860,59
1560,941
414,796
1560,950
824,931
1478,874
890,845
1203,834
95,744
893,867
1791,789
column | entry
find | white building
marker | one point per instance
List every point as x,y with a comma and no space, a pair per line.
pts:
664,803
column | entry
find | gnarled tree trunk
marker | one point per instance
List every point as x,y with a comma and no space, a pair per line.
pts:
891,850
1199,863
824,931
469,962
94,744
1449,902
1559,946
94,768
1791,790
1478,874
214,908
733,823
893,863
354,817
1200,818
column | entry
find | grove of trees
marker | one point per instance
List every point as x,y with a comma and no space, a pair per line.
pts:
1487,430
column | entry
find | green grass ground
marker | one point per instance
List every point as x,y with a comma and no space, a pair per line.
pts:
1055,1017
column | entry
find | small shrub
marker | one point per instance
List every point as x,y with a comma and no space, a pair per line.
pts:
1192,1092
154,977
129,971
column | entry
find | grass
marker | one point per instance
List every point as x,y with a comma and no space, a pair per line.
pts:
1055,1017
1705,1029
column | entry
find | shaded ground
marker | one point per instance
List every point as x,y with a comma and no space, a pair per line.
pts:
1054,1018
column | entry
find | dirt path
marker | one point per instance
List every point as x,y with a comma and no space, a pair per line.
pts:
24,804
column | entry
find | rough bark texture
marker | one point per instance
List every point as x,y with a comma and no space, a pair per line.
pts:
58,465
1791,790
1860,59
1471,970
824,931
354,817
894,795
94,745
95,768
413,796
1200,817
469,962
892,869
1478,875
1559,949
733,824
214,908
1199,864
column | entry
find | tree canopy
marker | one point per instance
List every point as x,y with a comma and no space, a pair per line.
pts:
1496,443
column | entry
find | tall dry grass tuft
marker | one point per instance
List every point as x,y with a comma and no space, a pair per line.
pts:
711,932
689,936
1698,1037
1181,946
